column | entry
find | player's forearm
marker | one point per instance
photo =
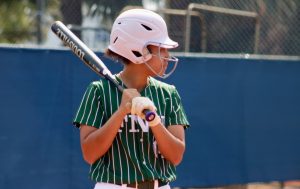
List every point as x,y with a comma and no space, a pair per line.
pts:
96,144
170,146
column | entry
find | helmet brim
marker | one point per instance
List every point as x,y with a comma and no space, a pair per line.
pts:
167,43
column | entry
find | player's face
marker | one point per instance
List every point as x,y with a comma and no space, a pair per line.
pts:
159,64
159,60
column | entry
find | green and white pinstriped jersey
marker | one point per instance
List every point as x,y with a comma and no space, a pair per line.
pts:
134,155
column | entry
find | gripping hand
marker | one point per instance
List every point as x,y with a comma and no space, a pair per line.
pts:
141,103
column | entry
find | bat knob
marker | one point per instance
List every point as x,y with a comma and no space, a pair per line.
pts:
149,115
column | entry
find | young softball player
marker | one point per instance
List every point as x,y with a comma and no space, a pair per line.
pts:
123,149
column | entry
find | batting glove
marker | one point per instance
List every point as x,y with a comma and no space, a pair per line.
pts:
141,103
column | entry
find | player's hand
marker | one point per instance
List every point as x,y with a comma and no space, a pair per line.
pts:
141,103
127,96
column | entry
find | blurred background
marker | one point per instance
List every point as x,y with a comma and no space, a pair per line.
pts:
255,26
241,60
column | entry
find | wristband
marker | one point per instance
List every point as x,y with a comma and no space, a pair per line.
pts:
155,121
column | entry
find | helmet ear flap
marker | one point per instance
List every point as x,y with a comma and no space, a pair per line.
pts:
142,57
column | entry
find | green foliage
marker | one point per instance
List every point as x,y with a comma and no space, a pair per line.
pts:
15,21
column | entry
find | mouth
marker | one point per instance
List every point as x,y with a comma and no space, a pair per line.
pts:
164,67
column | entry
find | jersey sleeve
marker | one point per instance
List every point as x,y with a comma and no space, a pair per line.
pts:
90,111
177,114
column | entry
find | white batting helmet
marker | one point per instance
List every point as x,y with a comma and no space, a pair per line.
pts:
134,29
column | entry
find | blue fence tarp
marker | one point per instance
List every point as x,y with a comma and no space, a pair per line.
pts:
244,115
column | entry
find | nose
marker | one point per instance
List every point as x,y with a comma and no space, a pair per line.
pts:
164,53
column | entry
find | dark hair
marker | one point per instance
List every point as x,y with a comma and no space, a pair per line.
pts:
116,57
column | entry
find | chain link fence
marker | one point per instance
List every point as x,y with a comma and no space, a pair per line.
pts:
210,26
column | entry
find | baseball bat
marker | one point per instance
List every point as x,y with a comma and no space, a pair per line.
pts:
89,58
